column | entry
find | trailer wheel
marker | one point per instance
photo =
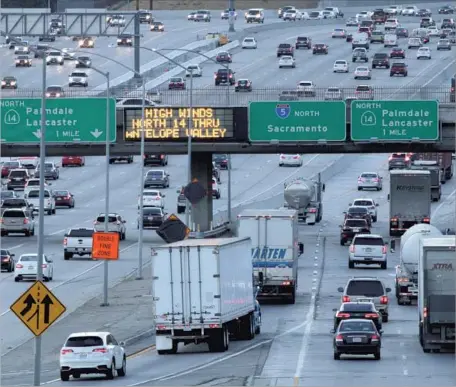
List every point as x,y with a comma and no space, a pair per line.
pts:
219,340
292,299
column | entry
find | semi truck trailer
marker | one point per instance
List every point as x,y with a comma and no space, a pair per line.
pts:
443,160
409,200
437,293
203,293
436,180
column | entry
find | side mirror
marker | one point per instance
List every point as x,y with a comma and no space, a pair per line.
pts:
392,245
163,196
340,226
345,212
388,290
323,187
50,260
13,255
332,331
349,204
122,343
301,248
340,289
178,191
388,197
380,331
124,221
376,204
65,235
335,310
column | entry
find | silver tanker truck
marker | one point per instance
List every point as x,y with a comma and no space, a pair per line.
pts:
407,270
305,196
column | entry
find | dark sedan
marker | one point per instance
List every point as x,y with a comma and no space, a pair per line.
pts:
358,212
157,26
153,218
351,227
125,40
446,10
64,198
402,32
349,38
83,62
9,83
224,57
320,49
156,159
357,310
243,85
221,161
156,178
357,337
7,260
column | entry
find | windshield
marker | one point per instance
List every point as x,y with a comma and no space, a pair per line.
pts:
14,203
369,175
54,88
81,233
357,210
151,193
356,223
18,174
368,241
152,211
29,258
341,62
356,326
155,174
357,307
6,194
11,164
13,214
176,80
111,219
61,193
363,202
36,194
365,288
33,183
86,341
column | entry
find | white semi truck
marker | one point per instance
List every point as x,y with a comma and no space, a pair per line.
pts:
409,200
305,196
437,293
203,292
407,270
275,251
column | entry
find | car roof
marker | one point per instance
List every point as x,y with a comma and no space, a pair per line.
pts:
364,278
371,236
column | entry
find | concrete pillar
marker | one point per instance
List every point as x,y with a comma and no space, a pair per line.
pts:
202,170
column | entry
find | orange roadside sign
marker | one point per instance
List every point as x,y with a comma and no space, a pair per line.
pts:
105,245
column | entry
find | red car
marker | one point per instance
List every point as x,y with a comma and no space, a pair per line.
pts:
73,160
176,83
223,57
64,198
397,52
7,166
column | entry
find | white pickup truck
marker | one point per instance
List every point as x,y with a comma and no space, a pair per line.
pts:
33,197
77,241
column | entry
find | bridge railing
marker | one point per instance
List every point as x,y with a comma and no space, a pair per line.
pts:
219,95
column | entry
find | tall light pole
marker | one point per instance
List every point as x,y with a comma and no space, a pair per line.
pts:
231,16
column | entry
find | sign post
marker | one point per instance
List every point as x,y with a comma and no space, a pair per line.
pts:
38,308
304,121
67,120
394,121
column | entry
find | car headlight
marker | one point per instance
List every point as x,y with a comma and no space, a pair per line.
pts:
59,58
57,94
81,42
119,40
90,43
47,95
128,40
4,83
18,61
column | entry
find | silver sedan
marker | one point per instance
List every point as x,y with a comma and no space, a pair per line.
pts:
370,180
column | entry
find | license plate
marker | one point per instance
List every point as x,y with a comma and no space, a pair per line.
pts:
30,267
368,250
356,230
150,218
357,339
83,356
59,198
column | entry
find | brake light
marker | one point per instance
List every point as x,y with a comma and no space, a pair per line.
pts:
352,248
95,222
425,313
66,351
383,300
231,75
452,89
360,180
282,157
375,179
19,266
345,299
339,338
65,241
374,338
68,197
402,279
296,157
286,283
312,210
1,220
102,350
426,220
44,266
343,315
384,250
371,315
26,221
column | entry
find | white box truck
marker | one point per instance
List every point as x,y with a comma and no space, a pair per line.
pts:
409,200
203,292
437,293
275,251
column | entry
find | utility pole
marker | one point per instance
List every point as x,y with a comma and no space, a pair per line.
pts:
151,4
137,5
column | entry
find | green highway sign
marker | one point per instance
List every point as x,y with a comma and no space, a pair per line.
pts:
394,120
304,121
67,120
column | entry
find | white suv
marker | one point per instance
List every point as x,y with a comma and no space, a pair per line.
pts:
115,224
92,353
33,184
307,88
215,189
370,205
368,249
33,197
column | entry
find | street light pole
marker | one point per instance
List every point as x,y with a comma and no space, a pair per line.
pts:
39,274
189,150
229,158
141,184
231,16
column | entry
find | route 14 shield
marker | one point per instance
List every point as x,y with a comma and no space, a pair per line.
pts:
283,110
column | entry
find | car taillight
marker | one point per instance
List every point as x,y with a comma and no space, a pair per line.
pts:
231,76
452,89
215,75
26,221
295,157
360,180
66,351
426,220
425,312
282,157
383,300
345,299
102,350
19,266
371,315
312,210
44,266
65,241
376,180
384,250
352,248
374,338
339,338
286,283
343,315
95,222
1,220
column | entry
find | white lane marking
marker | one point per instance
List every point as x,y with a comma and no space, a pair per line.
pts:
15,247
79,275
447,199
57,232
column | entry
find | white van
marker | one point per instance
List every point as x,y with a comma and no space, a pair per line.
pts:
390,40
33,197
360,40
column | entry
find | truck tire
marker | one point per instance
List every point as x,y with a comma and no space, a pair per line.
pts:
247,327
351,265
219,340
67,256
384,265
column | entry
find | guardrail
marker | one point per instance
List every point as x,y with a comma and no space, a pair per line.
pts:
213,96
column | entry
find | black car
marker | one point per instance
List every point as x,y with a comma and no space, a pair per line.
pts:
424,13
117,159
320,49
153,217
351,227
402,32
243,85
17,178
398,161
223,57
216,173
221,160
358,212
285,49
380,59
9,83
351,310
303,42
47,38
349,38
225,76
446,10
83,62
125,40
157,26
156,159
7,261
399,68
145,17
357,337
397,52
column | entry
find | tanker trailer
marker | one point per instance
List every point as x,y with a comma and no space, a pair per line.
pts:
407,270
305,196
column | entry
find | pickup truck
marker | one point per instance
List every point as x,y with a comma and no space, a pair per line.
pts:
33,197
360,54
77,241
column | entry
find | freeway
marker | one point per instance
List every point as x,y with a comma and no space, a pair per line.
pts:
261,67
294,347
80,279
